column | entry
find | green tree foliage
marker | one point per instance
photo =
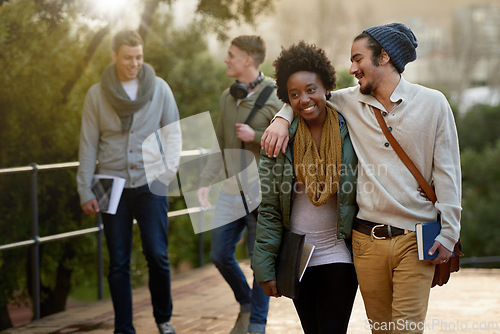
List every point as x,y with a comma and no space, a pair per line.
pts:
219,14
181,57
481,181
344,79
480,157
52,51
37,51
479,127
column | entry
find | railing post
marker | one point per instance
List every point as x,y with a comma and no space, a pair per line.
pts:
100,270
200,249
36,246
201,242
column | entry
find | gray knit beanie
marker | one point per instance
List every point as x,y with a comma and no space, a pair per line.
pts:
398,41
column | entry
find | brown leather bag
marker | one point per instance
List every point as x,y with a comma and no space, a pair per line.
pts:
441,271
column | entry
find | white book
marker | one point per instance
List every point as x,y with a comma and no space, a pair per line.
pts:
305,257
108,190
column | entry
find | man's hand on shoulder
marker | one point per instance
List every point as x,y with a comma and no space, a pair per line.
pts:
275,137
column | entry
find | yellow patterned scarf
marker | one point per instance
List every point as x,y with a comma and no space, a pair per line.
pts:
319,170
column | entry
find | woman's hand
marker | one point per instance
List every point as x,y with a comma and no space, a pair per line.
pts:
270,289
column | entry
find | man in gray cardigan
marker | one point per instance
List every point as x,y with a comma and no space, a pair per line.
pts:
120,112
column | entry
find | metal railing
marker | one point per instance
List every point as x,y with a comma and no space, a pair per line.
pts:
36,240
474,261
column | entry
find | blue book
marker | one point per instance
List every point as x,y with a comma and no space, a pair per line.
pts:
426,234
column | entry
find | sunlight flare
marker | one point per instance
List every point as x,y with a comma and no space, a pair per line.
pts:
110,7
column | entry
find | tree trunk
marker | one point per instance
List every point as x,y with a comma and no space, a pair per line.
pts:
4,318
53,300
147,17
94,44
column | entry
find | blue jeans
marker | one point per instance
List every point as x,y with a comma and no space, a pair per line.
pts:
222,251
150,211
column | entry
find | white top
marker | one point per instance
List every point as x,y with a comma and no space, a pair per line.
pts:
131,87
319,224
423,124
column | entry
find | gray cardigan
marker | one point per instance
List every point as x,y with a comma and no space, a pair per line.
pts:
120,153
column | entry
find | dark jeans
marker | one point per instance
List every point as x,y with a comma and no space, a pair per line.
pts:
326,297
222,251
150,211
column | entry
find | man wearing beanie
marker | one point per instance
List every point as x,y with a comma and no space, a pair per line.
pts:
395,285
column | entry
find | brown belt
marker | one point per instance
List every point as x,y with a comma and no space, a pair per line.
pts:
379,231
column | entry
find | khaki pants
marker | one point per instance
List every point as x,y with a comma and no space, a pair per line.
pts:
395,285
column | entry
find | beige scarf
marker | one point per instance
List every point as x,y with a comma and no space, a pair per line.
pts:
319,170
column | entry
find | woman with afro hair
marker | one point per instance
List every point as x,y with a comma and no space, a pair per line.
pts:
310,190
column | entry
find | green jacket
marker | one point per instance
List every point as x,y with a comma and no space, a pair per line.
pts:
232,113
277,177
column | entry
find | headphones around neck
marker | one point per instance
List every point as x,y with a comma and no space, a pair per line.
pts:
239,90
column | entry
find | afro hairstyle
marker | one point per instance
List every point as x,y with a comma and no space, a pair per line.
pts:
302,57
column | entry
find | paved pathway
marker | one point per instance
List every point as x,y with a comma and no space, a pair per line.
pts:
204,303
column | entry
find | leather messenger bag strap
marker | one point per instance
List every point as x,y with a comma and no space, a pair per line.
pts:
404,157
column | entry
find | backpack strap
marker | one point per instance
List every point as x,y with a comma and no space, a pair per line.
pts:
260,102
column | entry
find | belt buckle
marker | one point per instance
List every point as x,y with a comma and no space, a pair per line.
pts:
373,232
